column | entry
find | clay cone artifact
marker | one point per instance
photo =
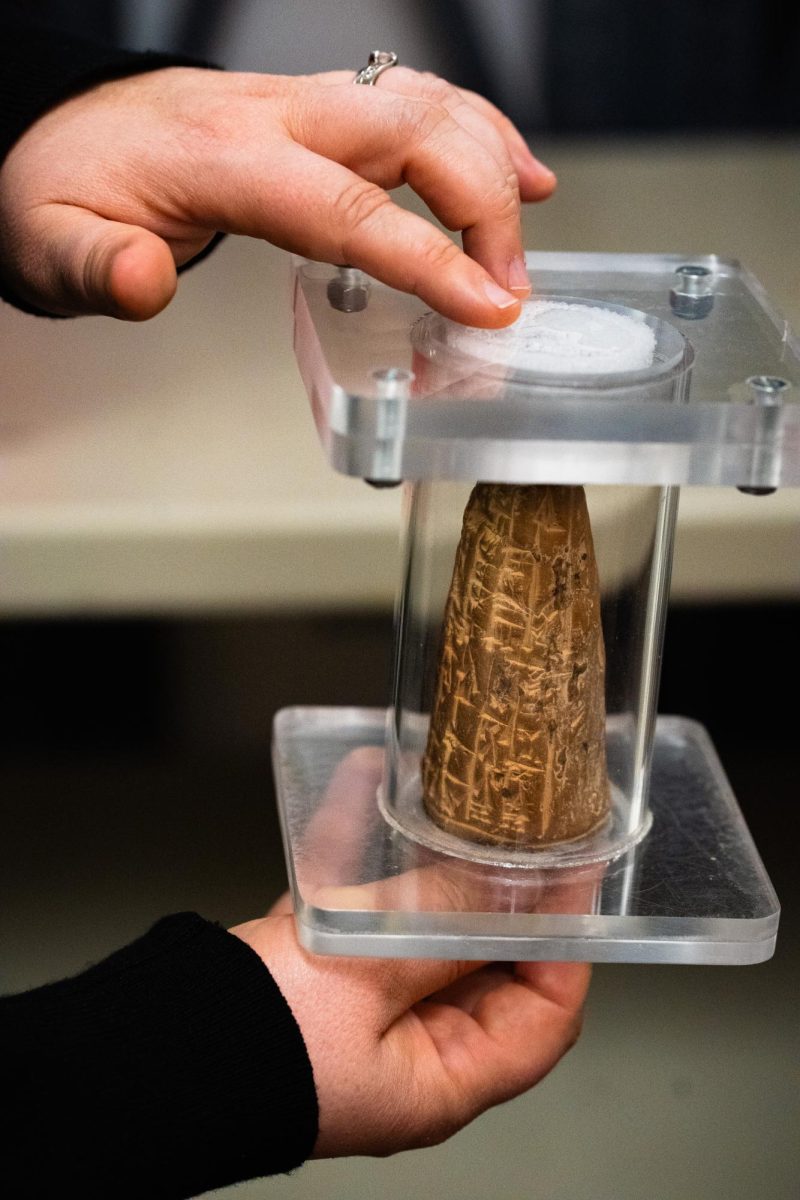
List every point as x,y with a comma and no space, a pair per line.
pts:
516,747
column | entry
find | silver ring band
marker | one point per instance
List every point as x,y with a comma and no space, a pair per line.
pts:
379,61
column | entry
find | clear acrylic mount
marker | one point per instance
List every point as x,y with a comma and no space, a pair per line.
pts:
379,416
693,890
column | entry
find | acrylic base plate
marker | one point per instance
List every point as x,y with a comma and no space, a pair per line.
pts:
693,890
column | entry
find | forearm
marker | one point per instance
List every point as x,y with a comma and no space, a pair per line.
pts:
173,1067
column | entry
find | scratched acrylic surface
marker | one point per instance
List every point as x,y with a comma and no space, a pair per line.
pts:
693,891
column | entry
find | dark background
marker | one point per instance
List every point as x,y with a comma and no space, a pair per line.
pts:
153,735
607,66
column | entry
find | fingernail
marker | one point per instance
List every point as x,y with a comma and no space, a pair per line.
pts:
518,280
498,296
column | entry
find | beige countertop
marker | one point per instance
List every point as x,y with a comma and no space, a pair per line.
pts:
173,466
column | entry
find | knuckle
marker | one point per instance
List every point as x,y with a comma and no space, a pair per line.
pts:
512,179
357,205
95,263
439,252
436,89
505,204
430,121
401,74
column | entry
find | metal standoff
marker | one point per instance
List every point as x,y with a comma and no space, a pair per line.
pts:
767,389
692,295
348,290
766,392
392,385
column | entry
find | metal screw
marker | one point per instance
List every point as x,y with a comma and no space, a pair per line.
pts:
692,296
348,291
767,392
767,389
393,385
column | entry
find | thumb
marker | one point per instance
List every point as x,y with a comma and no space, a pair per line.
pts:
82,263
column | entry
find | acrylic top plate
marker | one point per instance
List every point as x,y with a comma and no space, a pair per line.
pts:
395,396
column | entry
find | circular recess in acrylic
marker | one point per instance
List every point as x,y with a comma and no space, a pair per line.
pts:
558,341
605,844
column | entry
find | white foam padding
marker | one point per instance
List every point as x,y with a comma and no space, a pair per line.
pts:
564,339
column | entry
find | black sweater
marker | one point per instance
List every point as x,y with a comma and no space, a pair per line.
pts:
39,67
175,1066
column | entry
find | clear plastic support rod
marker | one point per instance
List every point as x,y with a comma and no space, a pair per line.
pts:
654,620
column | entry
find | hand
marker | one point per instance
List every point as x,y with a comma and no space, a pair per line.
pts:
107,192
405,1052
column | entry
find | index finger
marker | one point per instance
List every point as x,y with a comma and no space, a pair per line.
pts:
349,220
389,138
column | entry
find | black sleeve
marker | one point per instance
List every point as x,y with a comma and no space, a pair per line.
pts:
171,1068
40,67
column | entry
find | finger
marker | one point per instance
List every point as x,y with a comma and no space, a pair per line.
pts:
421,85
348,219
84,263
388,141
488,125
571,891
549,992
508,1037
487,135
333,841
536,180
332,848
564,984
435,888
468,991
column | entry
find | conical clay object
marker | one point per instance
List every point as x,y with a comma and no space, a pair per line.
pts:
516,748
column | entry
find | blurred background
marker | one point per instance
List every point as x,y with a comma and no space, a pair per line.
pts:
178,562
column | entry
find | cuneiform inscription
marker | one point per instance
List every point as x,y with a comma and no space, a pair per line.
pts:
516,748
